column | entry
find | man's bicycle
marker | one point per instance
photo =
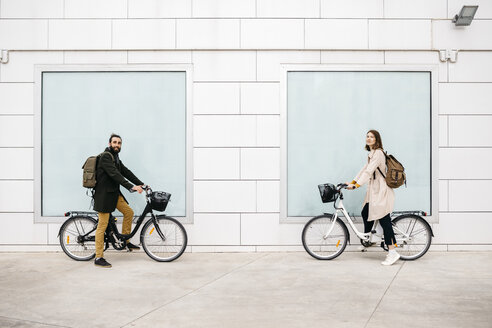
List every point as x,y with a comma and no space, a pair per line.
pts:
325,236
163,238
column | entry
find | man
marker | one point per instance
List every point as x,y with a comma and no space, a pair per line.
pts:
110,174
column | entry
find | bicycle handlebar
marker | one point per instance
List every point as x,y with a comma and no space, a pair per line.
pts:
146,188
341,186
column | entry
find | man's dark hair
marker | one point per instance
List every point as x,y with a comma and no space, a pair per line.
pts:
114,135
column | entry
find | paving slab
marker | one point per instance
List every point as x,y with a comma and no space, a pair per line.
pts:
442,289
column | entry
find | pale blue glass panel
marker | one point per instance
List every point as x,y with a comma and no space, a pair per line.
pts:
80,110
328,115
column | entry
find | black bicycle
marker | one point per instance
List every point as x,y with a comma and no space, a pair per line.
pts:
162,237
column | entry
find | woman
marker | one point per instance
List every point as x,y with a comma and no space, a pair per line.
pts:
379,200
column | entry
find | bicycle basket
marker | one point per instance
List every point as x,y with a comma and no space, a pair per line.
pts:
328,192
159,200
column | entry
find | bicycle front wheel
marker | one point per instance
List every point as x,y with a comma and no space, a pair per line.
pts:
413,236
168,246
78,238
324,238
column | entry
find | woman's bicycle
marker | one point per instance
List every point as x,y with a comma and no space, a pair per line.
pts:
163,238
325,236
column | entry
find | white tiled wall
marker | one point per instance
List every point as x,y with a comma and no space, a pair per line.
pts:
159,57
435,9
96,9
95,57
287,8
159,8
272,34
352,9
224,66
470,196
225,131
31,9
447,36
224,8
143,34
325,34
16,131
237,49
418,57
260,98
470,131
260,163
465,98
18,228
79,34
268,65
225,196
10,194
471,67
400,34
216,98
352,57
21,65
16,98
24,34
207,34
17,163
465,163
217,163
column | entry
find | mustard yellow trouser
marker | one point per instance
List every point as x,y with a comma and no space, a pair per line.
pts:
127,212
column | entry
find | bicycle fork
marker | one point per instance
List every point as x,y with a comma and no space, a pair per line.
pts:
156,226
334,219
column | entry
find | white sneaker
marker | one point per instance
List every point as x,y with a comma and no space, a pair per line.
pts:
362,248
391,258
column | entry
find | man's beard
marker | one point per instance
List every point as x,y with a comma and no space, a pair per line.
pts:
115,149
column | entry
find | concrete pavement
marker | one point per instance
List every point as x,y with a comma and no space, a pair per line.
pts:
442,289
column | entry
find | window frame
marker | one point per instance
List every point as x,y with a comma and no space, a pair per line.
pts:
40,69
434,85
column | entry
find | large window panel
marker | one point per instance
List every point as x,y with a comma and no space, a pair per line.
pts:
79,111
328,115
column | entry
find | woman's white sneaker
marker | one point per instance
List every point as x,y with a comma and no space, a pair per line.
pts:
391,258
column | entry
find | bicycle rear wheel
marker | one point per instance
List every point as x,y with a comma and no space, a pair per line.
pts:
324,238
77,237
413,236
170,245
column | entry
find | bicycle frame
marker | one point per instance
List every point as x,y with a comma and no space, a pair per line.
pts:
341,209
366,236
112,222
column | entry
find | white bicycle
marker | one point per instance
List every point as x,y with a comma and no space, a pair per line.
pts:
325,236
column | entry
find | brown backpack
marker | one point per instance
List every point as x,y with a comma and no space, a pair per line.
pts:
395,172
90,167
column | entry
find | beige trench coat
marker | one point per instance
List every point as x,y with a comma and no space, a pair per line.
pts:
380,197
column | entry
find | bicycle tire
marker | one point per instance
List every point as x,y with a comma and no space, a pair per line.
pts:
71,230
412,248
166,250
324,248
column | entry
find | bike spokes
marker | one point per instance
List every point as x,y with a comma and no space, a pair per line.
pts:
77,238
165,241
413,236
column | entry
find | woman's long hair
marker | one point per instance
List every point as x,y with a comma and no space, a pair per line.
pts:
379,142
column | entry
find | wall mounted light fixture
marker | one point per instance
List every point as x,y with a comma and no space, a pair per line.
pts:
465,17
